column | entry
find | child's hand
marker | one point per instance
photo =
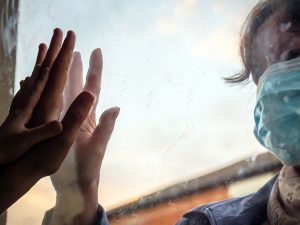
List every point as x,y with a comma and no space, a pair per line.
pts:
15,136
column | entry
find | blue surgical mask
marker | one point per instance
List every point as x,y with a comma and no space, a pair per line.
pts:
277,111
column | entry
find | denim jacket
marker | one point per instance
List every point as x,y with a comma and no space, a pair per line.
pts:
248,210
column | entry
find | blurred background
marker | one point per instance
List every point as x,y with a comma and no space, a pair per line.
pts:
163,66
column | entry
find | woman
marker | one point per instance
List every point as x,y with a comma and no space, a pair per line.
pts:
270,50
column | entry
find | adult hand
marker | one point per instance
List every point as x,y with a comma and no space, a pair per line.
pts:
46,157
78,178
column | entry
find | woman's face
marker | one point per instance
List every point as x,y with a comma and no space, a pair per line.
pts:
276,40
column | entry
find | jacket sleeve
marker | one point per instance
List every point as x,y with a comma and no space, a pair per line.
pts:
101,218
194,217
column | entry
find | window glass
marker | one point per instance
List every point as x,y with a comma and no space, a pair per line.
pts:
163,66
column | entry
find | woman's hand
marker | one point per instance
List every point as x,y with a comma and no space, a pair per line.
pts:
76,182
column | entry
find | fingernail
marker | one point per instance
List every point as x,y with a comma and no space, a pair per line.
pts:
41,46
97,50
56,30
116,112
70,33
76,56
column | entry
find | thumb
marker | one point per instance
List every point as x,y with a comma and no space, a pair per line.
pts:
105,128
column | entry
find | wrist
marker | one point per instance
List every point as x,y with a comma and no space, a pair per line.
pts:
69,203
76,205
90,208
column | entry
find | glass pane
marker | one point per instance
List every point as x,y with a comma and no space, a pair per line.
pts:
163,66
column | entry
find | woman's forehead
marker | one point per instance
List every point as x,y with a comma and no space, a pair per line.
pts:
265,44
273,39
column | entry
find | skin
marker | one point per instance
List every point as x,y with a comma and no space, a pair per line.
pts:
274,42
76,182
34,107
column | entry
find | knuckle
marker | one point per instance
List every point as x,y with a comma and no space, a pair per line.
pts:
37,87
110,129
75,114
97,91
54,127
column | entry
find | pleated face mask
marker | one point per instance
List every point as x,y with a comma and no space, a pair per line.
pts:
277,111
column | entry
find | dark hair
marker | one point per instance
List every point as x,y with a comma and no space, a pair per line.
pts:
257,16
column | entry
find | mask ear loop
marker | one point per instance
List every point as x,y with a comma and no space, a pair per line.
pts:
281,67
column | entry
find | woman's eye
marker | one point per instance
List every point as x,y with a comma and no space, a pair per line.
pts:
293,54
294,24
289,22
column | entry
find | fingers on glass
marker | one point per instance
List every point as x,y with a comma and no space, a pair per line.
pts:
93,79
39,60
75,81
60,145
54,47
96,61
105,127
58,59
76,114
30,94
41,54
60,67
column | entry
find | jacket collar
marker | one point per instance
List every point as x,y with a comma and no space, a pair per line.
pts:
248,210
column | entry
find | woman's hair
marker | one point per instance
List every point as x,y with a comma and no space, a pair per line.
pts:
257,16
